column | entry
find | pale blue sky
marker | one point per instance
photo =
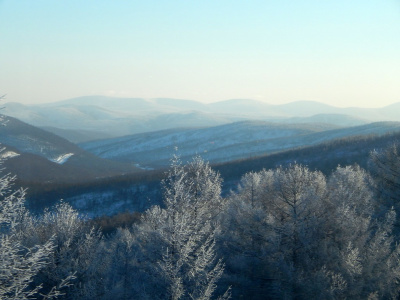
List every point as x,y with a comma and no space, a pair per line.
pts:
342,52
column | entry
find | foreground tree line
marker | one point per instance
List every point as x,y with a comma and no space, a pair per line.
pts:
285,233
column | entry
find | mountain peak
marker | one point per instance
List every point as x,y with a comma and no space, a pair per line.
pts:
307,102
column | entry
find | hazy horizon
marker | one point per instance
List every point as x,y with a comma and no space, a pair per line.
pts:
223,100
341,53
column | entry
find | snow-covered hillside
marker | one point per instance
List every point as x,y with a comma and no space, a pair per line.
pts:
8,154
34,154
62,158
224,143
29,139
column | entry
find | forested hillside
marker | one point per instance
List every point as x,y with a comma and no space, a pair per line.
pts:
138,191
285,233
224,143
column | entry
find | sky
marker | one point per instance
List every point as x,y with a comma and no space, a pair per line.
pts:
343,53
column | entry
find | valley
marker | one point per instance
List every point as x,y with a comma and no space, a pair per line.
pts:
225,143
199,150
104,171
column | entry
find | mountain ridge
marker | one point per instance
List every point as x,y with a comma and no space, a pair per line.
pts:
40,154
123,116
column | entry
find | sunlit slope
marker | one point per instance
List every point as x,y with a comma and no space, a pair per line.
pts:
225,143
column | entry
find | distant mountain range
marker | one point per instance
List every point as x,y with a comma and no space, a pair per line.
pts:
139,134
96,117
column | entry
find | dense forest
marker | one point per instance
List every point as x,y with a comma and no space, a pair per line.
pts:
283,233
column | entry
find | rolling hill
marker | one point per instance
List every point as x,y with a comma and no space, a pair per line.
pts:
325,156
34,154
225,142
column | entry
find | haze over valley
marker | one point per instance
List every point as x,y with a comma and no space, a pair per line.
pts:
95,117
103,136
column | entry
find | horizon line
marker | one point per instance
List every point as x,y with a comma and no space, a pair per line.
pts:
4,99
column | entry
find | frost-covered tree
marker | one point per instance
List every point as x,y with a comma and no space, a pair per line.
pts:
245,240
78,250
19,264
351,199
129,273
296,199
247,217
315,238
275,223
185,231
360,248
385,167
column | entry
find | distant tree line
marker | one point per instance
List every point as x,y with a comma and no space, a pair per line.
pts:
324,157
284,233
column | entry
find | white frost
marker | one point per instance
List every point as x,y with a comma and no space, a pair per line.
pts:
9,154
62,158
